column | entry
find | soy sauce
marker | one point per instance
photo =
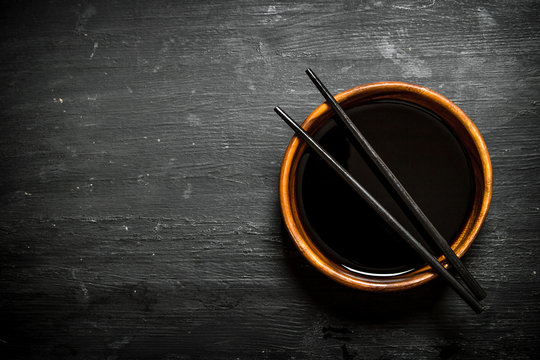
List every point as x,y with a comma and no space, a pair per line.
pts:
424,155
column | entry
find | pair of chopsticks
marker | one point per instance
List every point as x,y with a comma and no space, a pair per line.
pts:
474,293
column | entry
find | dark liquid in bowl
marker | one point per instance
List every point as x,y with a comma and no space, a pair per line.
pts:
424,155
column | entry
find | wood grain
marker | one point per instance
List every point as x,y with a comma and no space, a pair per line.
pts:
139,211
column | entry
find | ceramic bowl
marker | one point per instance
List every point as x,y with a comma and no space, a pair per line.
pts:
464,130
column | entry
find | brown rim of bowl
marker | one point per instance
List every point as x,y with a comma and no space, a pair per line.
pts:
464,130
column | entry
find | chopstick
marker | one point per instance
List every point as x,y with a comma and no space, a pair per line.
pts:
400,190
383,213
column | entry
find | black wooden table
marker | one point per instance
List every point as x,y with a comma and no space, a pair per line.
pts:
140,159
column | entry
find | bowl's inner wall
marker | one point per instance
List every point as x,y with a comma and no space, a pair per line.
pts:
422,151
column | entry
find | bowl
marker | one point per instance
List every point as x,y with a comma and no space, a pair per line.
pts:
465,132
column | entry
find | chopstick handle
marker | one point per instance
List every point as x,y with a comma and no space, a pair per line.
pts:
383,213
398,188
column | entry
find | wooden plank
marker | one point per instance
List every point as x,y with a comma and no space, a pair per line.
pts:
139,211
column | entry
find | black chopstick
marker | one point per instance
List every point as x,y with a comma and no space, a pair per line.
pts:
383,213
398,188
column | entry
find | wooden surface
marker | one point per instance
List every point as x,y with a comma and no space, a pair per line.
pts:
139,211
